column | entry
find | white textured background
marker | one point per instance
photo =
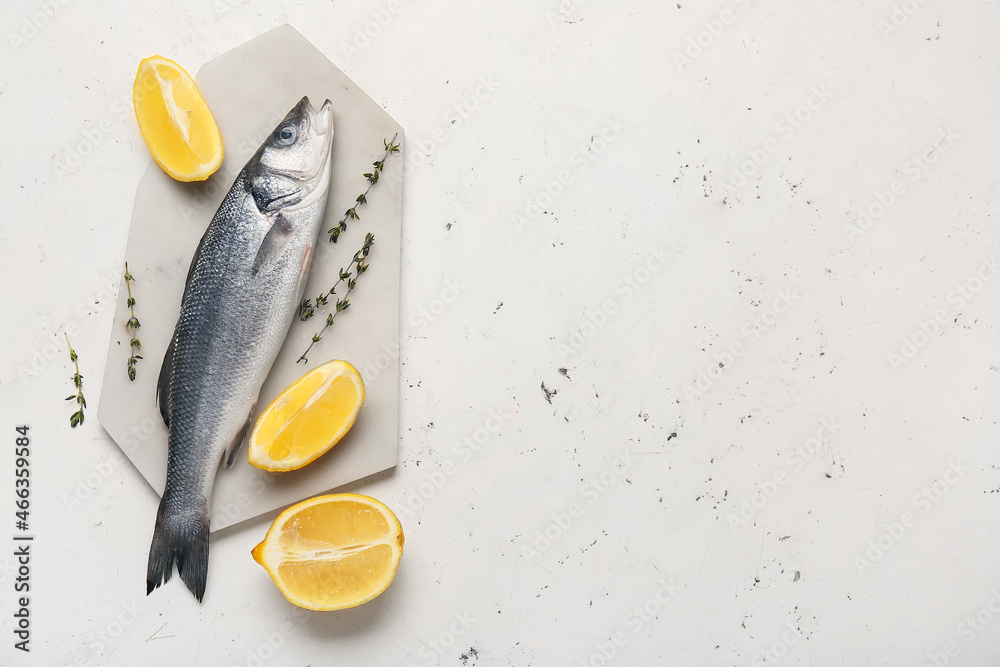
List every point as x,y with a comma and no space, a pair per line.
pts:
664,533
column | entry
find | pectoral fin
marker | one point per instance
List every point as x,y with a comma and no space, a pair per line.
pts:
273,244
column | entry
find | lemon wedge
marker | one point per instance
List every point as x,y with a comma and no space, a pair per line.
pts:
175,121
308,418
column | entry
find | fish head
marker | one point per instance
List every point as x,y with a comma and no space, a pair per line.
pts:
291,169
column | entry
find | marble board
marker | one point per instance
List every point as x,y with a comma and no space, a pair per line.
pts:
249,89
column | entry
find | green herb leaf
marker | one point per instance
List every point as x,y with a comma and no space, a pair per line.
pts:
358,261
131,326
77,417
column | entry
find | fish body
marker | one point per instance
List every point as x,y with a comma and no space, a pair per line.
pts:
243,288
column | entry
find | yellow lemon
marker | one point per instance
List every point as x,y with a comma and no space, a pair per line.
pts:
332,552
175,121
308,418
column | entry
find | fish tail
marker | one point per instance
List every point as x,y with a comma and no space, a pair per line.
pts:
182,539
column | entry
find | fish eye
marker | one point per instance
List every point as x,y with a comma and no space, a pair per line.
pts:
286,135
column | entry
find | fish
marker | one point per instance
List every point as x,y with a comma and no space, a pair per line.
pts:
243,288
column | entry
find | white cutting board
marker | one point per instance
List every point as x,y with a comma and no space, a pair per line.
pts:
249,89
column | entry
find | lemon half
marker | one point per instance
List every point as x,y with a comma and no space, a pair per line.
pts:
332,552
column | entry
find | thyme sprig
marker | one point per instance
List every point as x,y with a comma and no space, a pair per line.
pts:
77,417
132,326
362,199
307,309
359,264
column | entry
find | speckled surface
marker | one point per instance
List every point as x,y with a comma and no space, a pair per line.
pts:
649,406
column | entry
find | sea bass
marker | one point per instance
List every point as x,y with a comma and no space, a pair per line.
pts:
242,291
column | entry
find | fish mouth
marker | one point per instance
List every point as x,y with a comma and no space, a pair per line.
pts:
320,121
276,203
325,116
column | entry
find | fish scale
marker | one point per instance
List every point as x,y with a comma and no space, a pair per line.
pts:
242,292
